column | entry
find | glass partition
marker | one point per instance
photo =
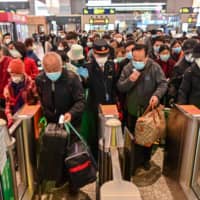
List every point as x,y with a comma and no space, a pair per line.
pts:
19,158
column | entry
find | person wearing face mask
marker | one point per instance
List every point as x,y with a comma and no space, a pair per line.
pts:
144,83
118,37
102,88
189,91
177,52
77,61
29,44
165,61
48,46
20,89
181,66
157,42
62,50
6,39
60,91
31,68
72,38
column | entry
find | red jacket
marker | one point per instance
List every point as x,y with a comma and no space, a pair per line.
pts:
4,75
167,67
28,94
31,67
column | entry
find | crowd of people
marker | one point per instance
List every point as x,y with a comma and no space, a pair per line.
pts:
80,71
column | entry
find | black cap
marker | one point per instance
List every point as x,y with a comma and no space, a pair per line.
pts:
196,51
100,47
188,45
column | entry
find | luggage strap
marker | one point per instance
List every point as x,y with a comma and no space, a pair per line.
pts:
69,126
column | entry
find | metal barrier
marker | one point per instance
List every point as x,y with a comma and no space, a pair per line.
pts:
8,176
181,161
21,150
113,141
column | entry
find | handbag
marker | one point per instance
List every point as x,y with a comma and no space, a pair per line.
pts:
150,126
80,164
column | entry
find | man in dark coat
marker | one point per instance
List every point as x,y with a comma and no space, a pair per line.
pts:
60,91
145,84
102,88
189,92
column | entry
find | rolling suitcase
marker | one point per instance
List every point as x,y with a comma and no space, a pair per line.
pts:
52,153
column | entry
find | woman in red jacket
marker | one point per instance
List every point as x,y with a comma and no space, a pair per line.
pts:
165,60
19,51
20,89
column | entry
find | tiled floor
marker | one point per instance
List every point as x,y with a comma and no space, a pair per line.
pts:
162,189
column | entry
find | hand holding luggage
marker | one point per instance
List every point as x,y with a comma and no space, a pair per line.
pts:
150,126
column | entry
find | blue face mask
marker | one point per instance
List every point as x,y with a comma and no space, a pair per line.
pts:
176,50
156,49
129,55
138,65
53,76
165,57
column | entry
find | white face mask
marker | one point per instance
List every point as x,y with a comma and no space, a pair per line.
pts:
118,40
15,54
60,48
189,58
17,79
101,61
7,41
198,62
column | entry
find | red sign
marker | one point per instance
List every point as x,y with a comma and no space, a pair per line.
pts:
11,17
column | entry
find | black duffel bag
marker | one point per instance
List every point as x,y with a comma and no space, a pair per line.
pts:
80,164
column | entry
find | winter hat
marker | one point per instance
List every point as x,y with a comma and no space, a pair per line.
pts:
16,66
196,51
76,52
188,45
100,47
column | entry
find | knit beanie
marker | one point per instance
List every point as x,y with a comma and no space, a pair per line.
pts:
16,66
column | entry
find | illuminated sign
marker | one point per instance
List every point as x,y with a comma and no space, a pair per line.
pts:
192,20
186,10
99,21
98,11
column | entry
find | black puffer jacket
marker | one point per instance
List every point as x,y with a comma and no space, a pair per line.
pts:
64,95
189,92
177,77
101,84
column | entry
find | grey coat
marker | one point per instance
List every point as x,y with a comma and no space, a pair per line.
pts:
152,82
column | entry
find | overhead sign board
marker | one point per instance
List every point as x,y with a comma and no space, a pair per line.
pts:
189,10
186,10
99,11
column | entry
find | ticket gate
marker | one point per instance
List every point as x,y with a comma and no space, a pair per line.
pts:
110,170
181,160
20,167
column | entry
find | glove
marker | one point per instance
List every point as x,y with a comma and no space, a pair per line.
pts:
83,72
